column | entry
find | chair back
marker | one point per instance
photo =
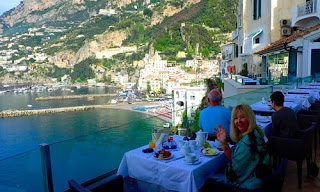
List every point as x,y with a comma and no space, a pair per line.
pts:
307,136
111,183
315,106
303,93
309,112
76,187
274,181
263,113
305,121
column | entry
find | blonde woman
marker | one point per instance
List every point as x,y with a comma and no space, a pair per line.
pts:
249,159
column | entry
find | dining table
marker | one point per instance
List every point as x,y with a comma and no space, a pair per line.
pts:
174,173
266,106
304,99
312,92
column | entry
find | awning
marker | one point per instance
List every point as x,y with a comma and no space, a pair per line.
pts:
256,33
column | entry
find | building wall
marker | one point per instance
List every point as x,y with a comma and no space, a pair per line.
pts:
250,26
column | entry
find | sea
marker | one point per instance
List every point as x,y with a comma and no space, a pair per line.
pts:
83,145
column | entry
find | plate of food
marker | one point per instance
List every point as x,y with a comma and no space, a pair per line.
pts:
209,151
163,154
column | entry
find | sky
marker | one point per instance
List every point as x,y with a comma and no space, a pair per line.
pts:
6,5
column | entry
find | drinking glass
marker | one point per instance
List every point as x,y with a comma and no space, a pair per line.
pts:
152,144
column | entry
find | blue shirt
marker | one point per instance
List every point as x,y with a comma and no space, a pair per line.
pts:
213,115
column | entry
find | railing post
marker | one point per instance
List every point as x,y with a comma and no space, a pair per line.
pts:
46,167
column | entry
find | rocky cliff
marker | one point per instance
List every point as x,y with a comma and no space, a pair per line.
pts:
42,11
25,11
100,43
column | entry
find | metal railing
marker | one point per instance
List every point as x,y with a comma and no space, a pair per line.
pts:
307,8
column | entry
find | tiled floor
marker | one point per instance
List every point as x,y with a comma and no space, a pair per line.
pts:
309,183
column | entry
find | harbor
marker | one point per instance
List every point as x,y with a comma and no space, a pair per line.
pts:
156,108
88,96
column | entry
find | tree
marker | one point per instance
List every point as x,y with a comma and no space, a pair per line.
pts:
147,12
148,87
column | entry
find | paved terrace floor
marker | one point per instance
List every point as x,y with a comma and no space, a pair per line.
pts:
309,183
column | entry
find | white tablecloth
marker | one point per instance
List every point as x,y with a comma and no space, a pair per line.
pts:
312,92
259,106
175,175
300,98
265,123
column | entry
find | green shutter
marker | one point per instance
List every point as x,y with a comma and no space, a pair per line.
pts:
254,9
259,13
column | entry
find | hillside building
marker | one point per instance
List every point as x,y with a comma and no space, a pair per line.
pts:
277,38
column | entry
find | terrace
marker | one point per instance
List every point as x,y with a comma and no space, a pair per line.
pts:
72,170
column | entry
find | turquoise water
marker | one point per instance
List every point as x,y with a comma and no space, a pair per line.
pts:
21,100
109,134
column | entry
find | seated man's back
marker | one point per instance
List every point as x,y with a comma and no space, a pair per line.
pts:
284,123
213,115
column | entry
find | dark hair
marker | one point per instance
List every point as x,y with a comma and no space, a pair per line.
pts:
277,97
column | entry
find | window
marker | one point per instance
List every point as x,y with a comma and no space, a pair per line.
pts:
192,96
240,49
257,40
256,9
177,93
236,50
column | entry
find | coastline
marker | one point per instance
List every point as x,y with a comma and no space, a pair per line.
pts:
128,107
121,106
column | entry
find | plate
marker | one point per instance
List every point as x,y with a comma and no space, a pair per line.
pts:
194,163
163,158
217,153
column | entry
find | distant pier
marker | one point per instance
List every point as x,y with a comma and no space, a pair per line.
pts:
121,106
18,113
74,96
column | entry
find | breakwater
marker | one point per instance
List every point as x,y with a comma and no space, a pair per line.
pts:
74,96
18,113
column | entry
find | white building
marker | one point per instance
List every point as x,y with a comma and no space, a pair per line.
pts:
186,98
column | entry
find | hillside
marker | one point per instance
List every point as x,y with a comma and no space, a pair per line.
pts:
101,31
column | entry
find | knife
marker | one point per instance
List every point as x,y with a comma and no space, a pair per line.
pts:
174,159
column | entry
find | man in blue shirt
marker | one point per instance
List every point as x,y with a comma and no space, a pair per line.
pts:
215,114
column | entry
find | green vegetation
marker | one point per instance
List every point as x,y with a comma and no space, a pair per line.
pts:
244,71
74,39
218,13
147,12
58,72
32,41
82,71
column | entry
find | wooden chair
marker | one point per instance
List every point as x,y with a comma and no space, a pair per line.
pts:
294,149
